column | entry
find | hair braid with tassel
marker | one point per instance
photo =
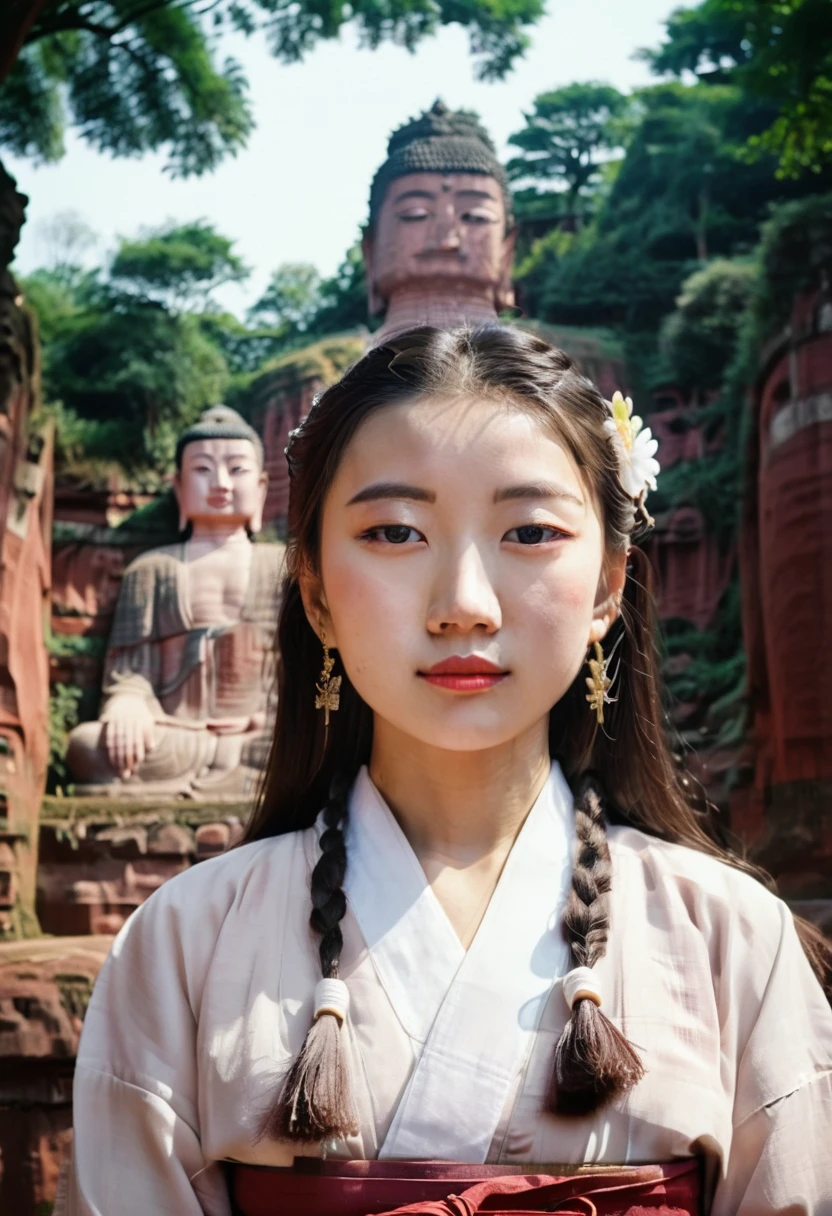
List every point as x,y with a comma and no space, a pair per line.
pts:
315,1102
593,1061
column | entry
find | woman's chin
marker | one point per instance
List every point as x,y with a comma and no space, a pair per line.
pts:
452,733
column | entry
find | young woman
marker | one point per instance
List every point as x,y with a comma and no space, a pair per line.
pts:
477,921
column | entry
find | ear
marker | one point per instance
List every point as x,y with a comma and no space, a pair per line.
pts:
315,605
607,606
375,304
504,295
256,521
177,490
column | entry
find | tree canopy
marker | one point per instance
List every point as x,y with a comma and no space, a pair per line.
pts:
683,193
568,135
291,298
179,265
124,377
134,350
699,337
778,52
140,75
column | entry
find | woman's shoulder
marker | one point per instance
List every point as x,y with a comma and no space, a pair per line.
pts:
199,900
701,879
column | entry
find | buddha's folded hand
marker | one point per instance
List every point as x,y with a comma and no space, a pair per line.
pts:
128,733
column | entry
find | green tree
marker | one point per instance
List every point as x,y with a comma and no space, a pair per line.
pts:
342,299
778,52
123,377
245,348
699,338
178,266
681,196
140,75
568,136
53,300
291,299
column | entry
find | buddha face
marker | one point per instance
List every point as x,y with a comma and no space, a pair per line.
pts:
440,230
220,484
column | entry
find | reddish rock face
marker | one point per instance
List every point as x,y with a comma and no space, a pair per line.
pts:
91,878
794,551
44,990
691,570
283,401
787,594
25,527
86,579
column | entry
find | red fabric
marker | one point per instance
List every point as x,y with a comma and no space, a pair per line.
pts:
435,1188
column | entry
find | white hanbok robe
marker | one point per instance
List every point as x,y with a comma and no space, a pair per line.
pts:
208,992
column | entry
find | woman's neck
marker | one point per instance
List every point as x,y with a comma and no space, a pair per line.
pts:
461,806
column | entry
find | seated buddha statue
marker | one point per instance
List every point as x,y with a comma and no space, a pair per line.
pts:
188,669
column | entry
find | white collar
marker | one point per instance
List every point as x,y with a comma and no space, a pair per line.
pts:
474,1013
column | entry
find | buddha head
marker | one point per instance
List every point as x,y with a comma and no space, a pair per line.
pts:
440,212
220,479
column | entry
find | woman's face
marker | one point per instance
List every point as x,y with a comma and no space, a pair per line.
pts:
462,571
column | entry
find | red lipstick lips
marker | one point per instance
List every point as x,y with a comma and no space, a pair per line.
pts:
464,673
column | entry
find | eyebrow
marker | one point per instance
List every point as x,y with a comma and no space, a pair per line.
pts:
474,194
392,489
537,490
381,490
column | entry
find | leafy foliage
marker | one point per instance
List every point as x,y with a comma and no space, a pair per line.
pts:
178,266
64,714
795,254
124,375
700,336
132,358
133,77
141,75
291,298
342,300
681,195
779,52
567,136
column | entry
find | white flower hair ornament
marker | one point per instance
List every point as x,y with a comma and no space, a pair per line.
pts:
636,451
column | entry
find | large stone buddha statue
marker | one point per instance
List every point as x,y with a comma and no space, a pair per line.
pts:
185,697
439,244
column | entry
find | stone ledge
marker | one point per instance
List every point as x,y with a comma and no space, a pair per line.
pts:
142,810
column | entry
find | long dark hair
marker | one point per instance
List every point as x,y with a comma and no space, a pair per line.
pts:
624,772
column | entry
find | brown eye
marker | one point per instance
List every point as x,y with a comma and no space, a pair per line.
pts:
533,534
392,534
396,534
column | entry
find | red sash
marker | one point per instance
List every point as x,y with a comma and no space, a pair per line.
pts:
438,1188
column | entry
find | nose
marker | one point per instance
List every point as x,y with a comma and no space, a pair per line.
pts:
222,478
464,597
445,236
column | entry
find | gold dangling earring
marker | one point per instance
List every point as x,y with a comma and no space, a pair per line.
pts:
598,682
329,689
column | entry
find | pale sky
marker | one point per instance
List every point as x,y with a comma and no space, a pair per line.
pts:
298,193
